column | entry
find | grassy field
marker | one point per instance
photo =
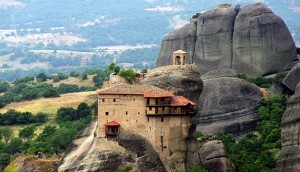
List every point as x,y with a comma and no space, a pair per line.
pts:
75,81
50,105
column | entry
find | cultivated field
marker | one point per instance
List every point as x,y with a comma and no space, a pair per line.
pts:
50,105
75,81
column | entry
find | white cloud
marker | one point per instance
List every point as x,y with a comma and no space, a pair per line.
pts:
151,1
166,9
293,5
177,22
10,3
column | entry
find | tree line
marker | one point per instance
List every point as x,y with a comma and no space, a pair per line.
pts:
53,139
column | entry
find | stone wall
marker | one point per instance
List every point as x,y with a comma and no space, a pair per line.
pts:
167,134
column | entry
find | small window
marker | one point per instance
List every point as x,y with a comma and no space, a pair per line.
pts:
163,108
114,100
150,108
162,119
148,119
103,100
138,113
126,112
106,113
133,99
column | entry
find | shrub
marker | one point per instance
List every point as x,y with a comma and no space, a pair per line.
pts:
27,132
128,75
197,169
4,160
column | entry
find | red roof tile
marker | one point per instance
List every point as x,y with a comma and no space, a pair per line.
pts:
181,101
154,95
112,123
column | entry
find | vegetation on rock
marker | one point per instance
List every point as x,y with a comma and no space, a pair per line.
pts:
259,150
264,82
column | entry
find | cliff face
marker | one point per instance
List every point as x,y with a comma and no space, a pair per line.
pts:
253,41
90,153
227,104
289,157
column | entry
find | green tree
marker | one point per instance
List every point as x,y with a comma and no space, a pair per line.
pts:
7,133
15,146
84,76
47,132
65,114
74,74
83,110
4,86
128,75
40,117
4,160
27,132
42,77
51,92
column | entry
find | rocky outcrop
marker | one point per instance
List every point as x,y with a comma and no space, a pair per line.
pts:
214,157
22,163
147,158
253,41
181,80
90,153
293,78
213,47
289,159
227,104
262,44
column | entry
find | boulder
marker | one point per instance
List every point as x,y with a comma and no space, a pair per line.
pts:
214,157
289,159
293,78
181,80
147,158
262,43
228,104
254,41
219,73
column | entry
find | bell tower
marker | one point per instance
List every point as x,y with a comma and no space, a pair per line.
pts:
179,57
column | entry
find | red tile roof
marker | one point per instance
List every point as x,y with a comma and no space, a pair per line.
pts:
154,95
137,89
181,101
112,123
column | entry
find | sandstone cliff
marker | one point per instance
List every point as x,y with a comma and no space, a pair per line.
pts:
252,40
292,78
227,104
289,159
90,153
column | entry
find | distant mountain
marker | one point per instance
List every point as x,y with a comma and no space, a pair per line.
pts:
119,22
